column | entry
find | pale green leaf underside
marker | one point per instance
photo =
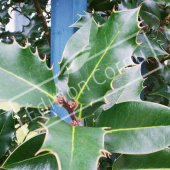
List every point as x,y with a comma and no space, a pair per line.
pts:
24,78
7,106
75,147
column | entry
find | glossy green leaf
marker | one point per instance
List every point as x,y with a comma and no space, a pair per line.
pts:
153,161
126,87
26,150
84,111
34,124
76,44
74,147
84,19
162,37
163,90
150,14
163,2
148,48
24,77
127,4
167,73
92,71
102,5
7,131
28,8
43,46
136,127
31,30
24,157
44,161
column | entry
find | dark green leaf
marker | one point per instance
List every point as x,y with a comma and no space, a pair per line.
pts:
150,14
26,150
34,125
84,19
31,30
45,161
167,73
127,4
102,5
24,156
163,90
7,131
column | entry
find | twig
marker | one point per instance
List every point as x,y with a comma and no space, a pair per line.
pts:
43,20
70,107
70,111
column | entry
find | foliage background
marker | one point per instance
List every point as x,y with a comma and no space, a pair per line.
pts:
157,84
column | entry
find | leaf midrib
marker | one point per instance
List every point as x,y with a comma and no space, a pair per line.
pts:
72,144
31,84
138,128
78,96
96,66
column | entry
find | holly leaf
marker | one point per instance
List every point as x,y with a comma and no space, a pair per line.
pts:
7,131
68,143
163,2
126,87
82,36
28,8
31,30
134,125
102,5
167,73
149,47
86,80
127,4
84,111
158,160
150,14
47,161
84,19
24,158
34,124
25,78
163,90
